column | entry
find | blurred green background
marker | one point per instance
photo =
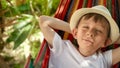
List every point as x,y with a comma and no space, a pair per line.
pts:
20,34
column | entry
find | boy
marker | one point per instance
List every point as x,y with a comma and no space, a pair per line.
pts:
93,28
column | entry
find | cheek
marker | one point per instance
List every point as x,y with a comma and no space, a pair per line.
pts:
100,41
80,34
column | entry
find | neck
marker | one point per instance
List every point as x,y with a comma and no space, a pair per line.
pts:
86,53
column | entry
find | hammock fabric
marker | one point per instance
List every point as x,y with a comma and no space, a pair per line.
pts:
64,12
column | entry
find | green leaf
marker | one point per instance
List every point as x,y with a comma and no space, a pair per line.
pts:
22,37
13,36
4,4
13,10
23,21
24,8
55,4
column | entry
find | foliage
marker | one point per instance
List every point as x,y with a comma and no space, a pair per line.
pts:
19,22
26,18
21,30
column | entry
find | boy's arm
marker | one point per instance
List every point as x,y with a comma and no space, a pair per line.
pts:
116,55
47,24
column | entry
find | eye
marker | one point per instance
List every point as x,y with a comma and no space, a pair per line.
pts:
86,27
98,31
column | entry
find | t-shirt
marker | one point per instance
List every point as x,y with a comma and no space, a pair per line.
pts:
65,55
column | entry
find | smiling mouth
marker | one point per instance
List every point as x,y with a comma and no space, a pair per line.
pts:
88,41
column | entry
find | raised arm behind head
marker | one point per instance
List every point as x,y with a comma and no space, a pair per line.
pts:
48,24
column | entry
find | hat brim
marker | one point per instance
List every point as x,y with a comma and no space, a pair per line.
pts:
114,30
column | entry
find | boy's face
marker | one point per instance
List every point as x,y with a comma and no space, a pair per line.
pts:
91,36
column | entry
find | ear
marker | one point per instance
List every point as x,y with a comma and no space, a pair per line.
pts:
107,42
74,33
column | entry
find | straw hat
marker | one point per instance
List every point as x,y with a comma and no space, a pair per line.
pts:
114,33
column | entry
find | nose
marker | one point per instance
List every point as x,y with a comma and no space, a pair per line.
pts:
90,33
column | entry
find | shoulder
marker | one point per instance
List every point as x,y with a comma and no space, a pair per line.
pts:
59,44
107,54
105,58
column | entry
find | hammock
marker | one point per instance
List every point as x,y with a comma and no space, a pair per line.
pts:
64,12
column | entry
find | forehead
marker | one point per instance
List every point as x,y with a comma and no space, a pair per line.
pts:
97,18
92,20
